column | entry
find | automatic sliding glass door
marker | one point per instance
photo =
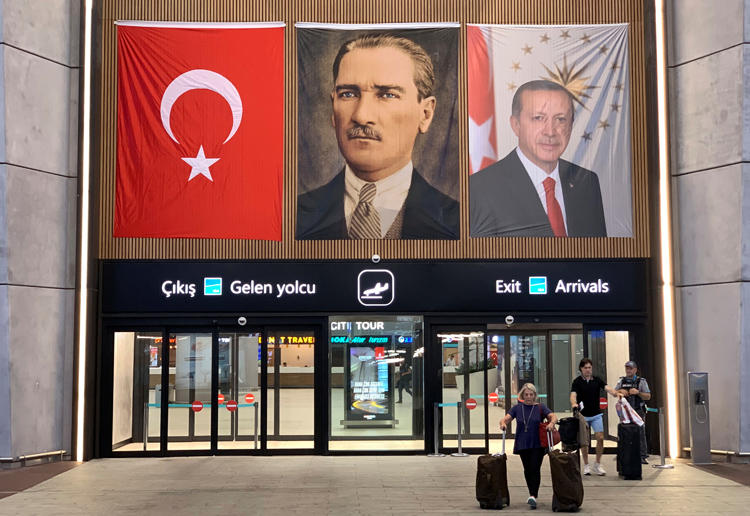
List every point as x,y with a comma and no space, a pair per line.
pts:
291,389
239,396
189,400
212,390
469,374
136,388
548,359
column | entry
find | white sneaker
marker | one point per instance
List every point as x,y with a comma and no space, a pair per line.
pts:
586,469
599,470
532,502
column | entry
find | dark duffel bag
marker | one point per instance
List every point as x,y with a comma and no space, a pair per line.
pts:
567,485
629,451
569,428
492,480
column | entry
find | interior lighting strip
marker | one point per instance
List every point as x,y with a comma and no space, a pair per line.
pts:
83,251
665,233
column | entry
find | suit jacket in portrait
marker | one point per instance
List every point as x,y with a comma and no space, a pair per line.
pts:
504,202
427,212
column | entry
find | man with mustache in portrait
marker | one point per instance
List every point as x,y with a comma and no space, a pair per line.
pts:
382,99
532,192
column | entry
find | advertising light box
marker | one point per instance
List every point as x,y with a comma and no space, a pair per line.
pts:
369,387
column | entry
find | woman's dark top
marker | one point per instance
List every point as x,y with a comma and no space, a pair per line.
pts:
527,419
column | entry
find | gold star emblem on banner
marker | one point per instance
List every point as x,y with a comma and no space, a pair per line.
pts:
515,66
565,34
603,49
586,136
615,66
603,124
544,39
527,49
616,108
619,86
570,79
586,38
511,86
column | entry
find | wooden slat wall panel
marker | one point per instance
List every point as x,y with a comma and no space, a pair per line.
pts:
373,11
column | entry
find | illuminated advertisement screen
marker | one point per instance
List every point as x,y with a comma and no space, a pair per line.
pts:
369,395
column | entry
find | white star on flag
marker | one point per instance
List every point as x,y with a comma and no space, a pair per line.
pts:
200,165
479,142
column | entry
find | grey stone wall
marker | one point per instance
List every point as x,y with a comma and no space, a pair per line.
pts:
39,73
708,77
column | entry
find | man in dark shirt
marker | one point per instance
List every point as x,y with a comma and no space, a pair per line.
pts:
584,394
635,389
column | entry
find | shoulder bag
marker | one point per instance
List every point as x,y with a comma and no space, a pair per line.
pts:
543,432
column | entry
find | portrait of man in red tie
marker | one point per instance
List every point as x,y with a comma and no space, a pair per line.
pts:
532,192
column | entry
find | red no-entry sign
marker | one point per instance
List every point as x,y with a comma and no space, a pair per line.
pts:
231,405
603,403
471,404
249,397
493,397
221,398
197,406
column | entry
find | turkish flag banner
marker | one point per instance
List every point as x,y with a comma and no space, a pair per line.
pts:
482,137
200,127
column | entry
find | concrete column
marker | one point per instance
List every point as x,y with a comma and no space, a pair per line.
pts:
710,143
39,72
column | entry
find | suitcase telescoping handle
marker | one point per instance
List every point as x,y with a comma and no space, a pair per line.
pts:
550,440
502,452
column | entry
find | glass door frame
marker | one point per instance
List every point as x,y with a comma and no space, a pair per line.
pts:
105,359
639,352
214,330
164,418
549,369
320,386
104,404
105,380
249,450
433,384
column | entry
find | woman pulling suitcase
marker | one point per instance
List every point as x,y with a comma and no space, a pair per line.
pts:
528,415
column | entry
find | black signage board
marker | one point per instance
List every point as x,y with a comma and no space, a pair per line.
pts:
182,286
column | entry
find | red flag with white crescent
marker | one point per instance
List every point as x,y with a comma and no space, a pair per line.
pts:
200,126
482,132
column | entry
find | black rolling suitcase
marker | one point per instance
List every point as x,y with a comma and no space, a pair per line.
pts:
492,480
567,485
629,451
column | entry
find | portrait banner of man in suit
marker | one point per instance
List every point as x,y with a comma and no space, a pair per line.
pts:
377,132
549,131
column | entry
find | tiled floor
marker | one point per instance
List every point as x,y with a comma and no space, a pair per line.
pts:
376,485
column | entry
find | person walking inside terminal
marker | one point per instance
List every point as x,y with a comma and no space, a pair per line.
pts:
404,382
635,389
528,414
584,394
